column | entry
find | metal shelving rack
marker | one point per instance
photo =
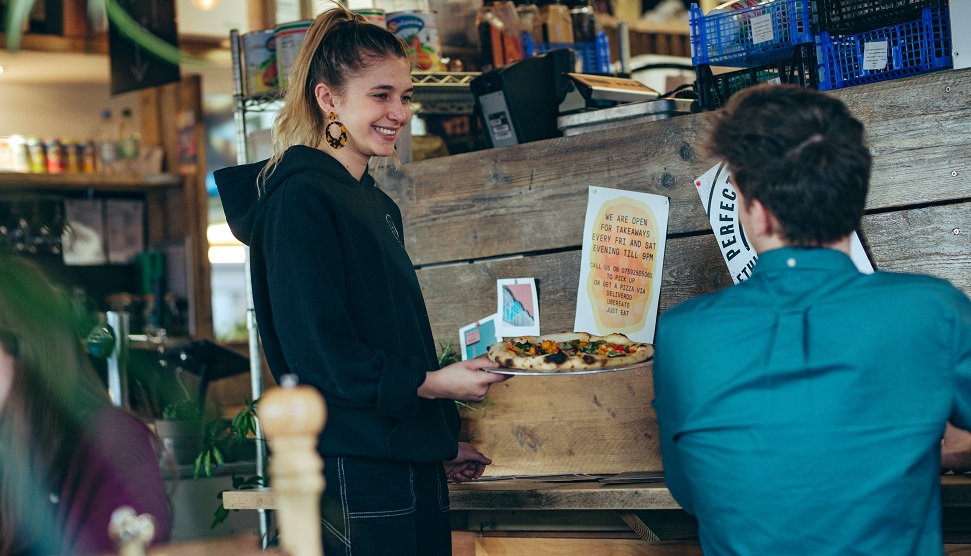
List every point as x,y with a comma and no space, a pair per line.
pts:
241,105
437,93
444,93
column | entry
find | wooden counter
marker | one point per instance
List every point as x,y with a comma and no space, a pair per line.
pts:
514,212
529,494
595,515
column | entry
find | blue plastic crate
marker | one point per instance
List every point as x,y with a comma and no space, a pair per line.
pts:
912,48
729,38
592,57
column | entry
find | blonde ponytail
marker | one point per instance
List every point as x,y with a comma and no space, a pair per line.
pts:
338,44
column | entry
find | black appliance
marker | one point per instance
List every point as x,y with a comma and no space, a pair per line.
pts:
520,102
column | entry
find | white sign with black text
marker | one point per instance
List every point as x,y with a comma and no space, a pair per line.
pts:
721,204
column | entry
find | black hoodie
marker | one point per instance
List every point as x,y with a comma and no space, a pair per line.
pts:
339,305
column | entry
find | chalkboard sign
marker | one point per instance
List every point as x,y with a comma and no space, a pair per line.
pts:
138,32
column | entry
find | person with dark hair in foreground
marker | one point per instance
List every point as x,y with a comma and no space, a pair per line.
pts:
68,459
802,411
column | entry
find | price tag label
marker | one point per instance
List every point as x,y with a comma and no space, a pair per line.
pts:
875,55
762,29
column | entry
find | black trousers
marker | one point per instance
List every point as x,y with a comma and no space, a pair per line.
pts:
373,507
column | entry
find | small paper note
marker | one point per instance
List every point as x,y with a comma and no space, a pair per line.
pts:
762,29
517,307
875,55
476,338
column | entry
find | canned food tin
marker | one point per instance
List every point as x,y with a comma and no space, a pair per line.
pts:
89,157
19,158
419,29
259,55
6,155
288,38
36,157
55,156
72,156
374,15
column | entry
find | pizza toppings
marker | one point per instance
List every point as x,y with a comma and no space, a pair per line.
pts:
571,348
569,351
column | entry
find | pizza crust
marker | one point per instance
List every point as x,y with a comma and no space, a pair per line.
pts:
503,353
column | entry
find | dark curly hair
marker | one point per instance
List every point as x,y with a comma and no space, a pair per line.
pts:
801,154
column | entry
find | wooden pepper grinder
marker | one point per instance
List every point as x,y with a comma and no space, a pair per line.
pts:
292,417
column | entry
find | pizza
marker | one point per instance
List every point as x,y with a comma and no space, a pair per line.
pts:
569,351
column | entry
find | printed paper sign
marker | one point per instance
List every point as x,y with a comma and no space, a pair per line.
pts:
721,204
125,229
875,55
620,268
518,307
83,235
476,338
762,29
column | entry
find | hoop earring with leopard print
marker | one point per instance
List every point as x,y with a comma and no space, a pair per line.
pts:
340,140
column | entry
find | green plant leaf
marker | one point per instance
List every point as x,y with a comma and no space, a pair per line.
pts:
244,422
448,356
196,466
480,406
219,516
181,410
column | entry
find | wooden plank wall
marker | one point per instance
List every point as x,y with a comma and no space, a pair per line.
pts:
518,212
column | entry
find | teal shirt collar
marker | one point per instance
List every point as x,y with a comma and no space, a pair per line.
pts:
816,258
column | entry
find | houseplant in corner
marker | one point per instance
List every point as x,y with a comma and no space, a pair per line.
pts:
180,430
221,443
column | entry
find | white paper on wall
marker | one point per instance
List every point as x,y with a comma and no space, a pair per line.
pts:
83,237
720,201
620,267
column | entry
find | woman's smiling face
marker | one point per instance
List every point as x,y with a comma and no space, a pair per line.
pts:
374,107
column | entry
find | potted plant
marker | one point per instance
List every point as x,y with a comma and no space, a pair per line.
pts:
181,430
221,443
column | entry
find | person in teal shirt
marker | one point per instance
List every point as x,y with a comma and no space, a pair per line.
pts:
802,410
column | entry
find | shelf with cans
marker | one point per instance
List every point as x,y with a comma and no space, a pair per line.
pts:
436,92
85,183
822,44
450,45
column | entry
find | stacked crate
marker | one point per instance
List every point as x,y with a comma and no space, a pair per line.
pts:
864,41
770,42
824,44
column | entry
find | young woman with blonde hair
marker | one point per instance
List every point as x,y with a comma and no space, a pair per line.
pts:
337,299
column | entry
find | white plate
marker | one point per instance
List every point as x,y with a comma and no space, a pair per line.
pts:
520,372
